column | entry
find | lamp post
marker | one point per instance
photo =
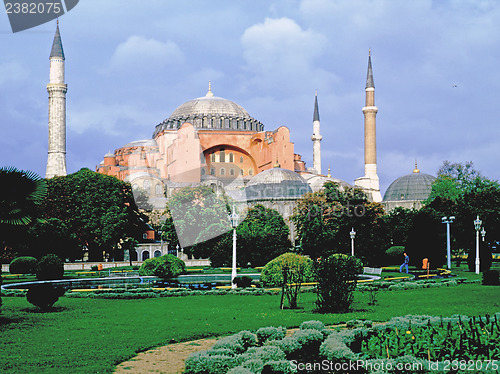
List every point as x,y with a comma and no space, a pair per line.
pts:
483,233
234,222
353,235
477,226
448,220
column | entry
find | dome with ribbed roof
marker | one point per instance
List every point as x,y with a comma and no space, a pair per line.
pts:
276,183
211,112
414,186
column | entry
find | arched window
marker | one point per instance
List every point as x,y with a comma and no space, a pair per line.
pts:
158,189
250,171
222,155
231,171
212,171
222,171
231,157
145,255
241,171
146,185
212,157
157,253
203,171
241,159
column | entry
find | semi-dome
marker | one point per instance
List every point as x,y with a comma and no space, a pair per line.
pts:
211,112
414,186
276,183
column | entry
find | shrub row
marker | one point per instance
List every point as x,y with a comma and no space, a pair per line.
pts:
150,293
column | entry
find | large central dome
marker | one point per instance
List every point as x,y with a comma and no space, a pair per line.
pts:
211,113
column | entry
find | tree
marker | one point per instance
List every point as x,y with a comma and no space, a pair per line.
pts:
97,211
22,192
288,271
324,220
461,191
196,217
50,267
262,236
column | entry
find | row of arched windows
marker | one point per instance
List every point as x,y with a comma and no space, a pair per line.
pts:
221,157
222,172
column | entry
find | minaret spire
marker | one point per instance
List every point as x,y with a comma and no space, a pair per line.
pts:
370,181
316,137
56,160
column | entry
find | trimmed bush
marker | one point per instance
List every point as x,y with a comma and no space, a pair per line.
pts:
265,334
336,277
23,265
288,271
243,281
44,295
167,266
491,278
50,267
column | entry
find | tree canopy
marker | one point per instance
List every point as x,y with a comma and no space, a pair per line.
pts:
324,220
87,209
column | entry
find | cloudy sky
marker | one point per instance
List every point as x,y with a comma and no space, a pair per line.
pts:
130,63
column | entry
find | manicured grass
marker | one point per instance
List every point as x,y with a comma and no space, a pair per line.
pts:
93,335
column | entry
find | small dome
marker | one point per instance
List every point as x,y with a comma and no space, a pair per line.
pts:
318,181
210,112
414,186
276,183
109,154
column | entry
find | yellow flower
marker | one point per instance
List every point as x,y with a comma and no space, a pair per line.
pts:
408,332
413,337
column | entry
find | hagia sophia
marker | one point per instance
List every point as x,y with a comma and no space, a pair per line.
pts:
215,141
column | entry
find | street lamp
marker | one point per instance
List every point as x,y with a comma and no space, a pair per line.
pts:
483,233
234,222
477,226
448,220
353,235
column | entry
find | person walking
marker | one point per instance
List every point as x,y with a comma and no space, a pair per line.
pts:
405,264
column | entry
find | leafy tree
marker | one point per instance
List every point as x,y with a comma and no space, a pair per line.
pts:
97,211
262,236
288,271
461,191
44,295
397,224
196,217
324,220
22,192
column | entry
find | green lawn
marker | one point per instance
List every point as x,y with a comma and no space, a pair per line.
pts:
86,335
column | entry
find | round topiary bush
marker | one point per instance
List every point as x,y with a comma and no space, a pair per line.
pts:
50,267
23,265
167,266
243,281
288,271
272,274
44,295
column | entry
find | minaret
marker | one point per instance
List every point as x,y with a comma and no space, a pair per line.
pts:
370,182
56,161
316,138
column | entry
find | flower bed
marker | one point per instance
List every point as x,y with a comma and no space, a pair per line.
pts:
410,344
